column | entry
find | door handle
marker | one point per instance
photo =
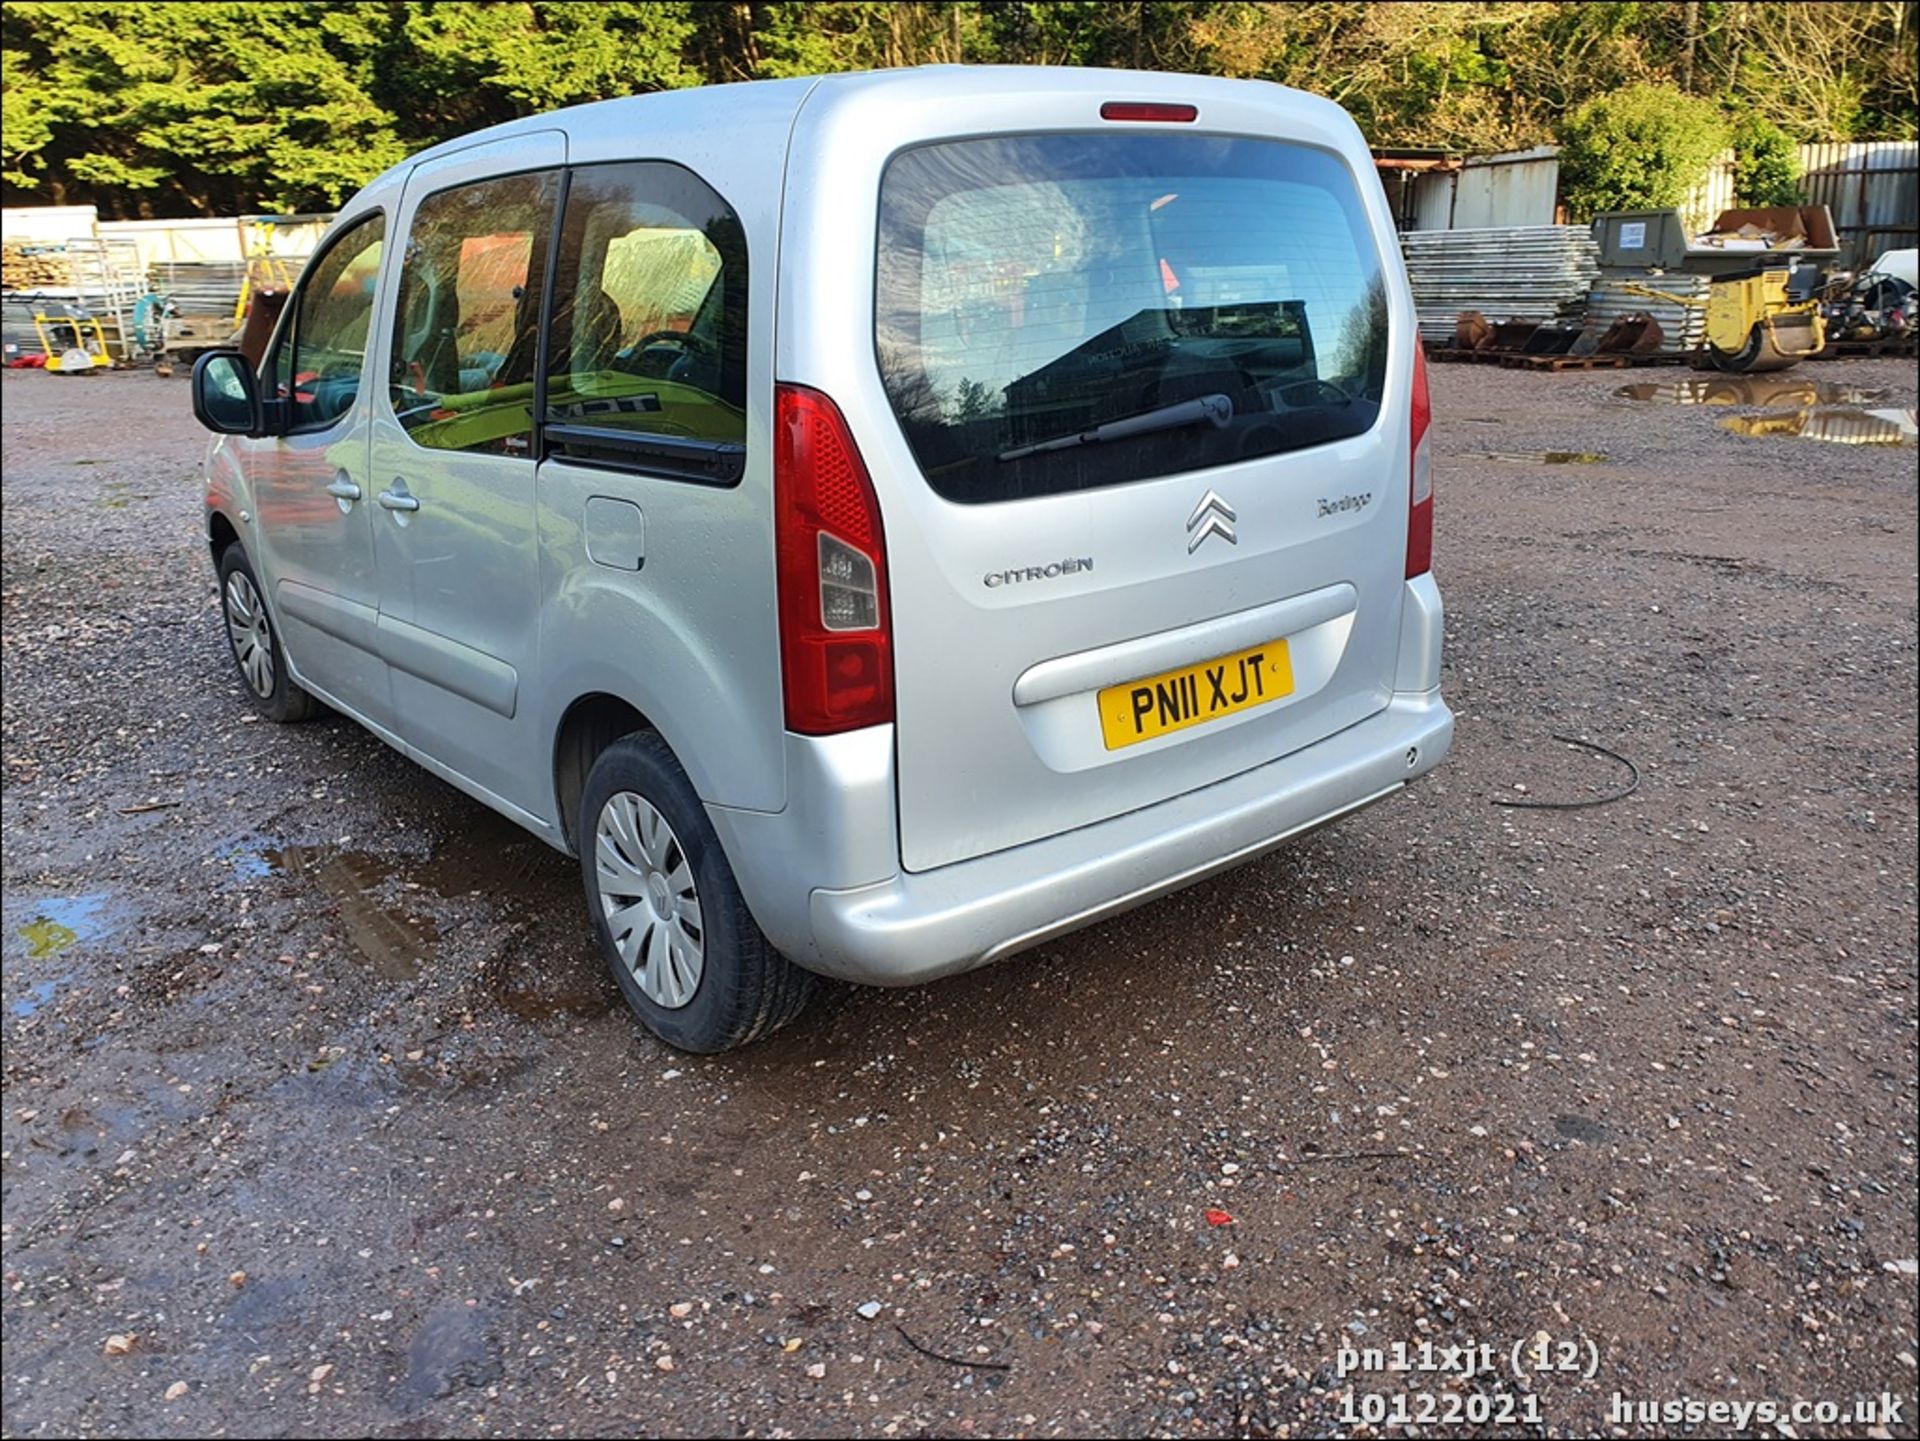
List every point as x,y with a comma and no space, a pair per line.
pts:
344,490
397,500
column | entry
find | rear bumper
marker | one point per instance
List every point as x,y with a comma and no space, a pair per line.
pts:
914,927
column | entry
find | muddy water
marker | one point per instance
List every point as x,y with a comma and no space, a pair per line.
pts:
387,908
57,922
387,935
1776,392
1545,457
1839,425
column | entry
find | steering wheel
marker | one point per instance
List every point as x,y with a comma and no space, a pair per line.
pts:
1319,386
685,339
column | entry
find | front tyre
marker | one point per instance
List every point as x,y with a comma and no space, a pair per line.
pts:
667,911
258,656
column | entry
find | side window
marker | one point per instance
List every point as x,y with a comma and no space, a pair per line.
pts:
648,343
466,315
326,346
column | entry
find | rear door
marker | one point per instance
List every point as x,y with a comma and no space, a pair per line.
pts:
1210,576
452,460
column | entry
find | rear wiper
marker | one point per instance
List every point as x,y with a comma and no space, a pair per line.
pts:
1214,410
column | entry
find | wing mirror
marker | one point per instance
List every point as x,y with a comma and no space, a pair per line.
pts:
226,394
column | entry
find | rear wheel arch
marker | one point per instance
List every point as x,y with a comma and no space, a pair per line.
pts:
590,724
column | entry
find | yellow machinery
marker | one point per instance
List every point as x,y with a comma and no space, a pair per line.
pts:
1753,323
266,268
88,352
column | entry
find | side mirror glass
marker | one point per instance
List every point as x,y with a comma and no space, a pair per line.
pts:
226,397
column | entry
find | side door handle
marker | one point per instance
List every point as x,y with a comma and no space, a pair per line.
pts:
344,491
397,499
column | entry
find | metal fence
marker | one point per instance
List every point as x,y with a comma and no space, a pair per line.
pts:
1872,187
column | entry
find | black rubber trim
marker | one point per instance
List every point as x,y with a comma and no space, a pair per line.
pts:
671,457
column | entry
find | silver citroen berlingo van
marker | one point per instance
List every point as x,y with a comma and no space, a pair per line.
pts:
877,522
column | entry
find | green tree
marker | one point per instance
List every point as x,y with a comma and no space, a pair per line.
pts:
225,107
454,67
1642,147
218,106
1766,165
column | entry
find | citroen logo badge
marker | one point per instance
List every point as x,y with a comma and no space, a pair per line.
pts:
1211,517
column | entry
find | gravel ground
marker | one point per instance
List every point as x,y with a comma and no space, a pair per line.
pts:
322,1118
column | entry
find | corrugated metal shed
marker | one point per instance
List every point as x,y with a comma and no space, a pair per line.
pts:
1517,187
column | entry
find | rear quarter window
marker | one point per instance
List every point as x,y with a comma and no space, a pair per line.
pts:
1031,289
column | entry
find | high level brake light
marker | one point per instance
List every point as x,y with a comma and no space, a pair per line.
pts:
1420,493
1148,110
836,637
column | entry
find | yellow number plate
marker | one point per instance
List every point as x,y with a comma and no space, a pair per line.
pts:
1193,695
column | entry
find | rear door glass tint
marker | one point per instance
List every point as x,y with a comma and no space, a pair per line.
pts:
648,341
1034,288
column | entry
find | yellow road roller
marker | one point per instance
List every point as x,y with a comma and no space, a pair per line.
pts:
1753,322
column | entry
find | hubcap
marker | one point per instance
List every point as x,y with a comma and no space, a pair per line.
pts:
247,629
649,899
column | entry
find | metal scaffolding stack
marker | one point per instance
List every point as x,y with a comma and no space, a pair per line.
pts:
1521,272
199,287
1682,328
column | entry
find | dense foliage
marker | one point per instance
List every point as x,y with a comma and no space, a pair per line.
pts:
1766,171
291,104
1640,147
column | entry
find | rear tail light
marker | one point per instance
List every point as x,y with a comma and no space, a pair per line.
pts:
1147,110
836,639
1420,494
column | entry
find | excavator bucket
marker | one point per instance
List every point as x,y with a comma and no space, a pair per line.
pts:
1471,331
1636,334
1512,334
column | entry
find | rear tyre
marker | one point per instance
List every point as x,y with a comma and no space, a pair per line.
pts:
667,912
258,656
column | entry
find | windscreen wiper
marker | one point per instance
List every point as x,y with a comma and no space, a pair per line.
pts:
1214,410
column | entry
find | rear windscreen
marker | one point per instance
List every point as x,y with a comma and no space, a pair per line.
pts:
1058,312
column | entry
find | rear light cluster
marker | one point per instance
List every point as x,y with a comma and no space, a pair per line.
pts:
836,640
1420,493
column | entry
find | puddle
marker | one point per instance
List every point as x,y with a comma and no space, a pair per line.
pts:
1839,425
451,1350
1580,1128
1545,457
1774,392
370,893
46,938
120,493
389,938
36,997
249,863
62,921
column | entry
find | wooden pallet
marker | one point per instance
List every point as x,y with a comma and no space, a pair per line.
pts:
1564,362
1518,360
1864,349
1452,355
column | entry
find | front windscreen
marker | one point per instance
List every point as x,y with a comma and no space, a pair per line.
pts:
1059,312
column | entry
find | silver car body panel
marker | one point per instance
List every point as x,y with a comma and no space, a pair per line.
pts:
989,817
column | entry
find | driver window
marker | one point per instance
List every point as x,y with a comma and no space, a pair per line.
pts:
327,344
467,315
648,335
